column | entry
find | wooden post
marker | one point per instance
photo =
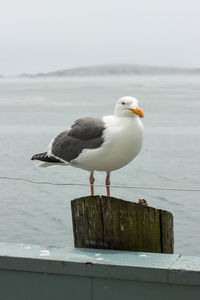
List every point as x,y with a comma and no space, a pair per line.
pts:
109,223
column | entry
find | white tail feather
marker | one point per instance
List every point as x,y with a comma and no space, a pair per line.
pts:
49,164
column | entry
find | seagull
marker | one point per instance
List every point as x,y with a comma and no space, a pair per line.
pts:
99,144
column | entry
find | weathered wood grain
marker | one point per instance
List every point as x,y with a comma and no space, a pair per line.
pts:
111,223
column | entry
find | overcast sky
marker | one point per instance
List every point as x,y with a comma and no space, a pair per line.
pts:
47,35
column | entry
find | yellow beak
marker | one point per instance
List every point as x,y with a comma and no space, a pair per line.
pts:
138,111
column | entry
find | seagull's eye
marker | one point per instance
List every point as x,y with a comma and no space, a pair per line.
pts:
123,103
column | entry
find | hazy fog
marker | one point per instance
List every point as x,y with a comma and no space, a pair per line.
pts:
46,35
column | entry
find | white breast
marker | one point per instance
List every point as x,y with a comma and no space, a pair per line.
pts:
123,141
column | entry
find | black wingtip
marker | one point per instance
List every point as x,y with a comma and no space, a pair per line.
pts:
44,157
34,157
39,156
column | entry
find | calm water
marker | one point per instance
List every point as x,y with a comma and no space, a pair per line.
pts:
33,111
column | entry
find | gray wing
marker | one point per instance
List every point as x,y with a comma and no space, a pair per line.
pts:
85,133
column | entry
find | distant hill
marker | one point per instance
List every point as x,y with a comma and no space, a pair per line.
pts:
115,69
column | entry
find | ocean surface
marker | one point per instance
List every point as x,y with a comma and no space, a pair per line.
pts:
33,111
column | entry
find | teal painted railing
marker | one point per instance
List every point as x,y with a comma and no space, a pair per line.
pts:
29,272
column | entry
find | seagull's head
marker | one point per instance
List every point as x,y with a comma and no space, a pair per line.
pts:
128,107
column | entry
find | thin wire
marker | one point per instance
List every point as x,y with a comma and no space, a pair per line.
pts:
100,185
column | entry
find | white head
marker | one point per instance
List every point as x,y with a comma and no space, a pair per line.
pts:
128,107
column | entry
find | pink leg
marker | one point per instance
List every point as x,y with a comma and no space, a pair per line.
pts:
108,184
92,179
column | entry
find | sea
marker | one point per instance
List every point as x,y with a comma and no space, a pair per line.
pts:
35,110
